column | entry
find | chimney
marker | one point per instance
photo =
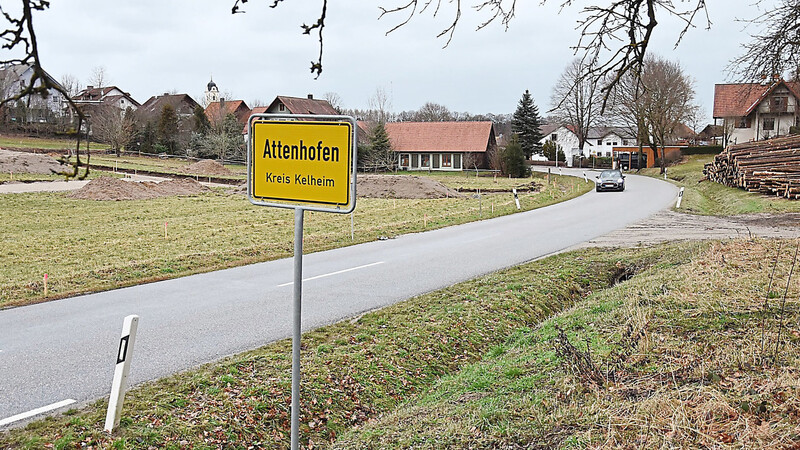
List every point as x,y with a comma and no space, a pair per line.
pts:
166,94
311,96
89,88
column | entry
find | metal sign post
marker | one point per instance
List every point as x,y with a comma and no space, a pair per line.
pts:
302,162
296,333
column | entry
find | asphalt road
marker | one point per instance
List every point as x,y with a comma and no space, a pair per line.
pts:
66,350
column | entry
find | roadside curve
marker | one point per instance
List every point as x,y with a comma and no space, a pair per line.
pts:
65,349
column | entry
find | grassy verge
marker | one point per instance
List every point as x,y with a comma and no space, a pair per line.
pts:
166,166
355,371
709,198
25,142
672,358
86,245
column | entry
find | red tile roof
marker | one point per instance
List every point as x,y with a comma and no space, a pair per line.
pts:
440,136
236,107
298,105
256,110
739,100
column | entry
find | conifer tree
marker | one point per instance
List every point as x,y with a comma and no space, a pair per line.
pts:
525,124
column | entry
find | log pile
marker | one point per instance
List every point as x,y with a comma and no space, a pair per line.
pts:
769,167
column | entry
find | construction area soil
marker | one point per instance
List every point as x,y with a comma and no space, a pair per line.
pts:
206,167
106,188
402,186
22,162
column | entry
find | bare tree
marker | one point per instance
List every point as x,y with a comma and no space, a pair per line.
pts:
71,84
576,101
613,38
775,50
381,104
335,100
112,126
433,112
99,77
667,100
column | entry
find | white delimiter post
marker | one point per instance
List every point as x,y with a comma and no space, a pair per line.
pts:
120,384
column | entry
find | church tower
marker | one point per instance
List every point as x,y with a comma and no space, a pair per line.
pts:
212,93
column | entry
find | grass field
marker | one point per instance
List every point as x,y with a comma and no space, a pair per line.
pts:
354,371
658,347
87,246
709,198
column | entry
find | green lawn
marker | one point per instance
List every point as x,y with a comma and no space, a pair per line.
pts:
709,198
86,245
26,142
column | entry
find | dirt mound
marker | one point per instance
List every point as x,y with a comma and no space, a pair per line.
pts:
22,162
206,167
106,188
402,186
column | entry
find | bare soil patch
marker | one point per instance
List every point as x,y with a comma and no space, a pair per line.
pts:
206,167
23,162
671,226
106,188
402,186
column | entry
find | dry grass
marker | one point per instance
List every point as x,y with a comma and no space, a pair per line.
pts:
695,376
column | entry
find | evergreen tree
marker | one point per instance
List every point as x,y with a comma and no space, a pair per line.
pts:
148,140
378,155
167,131
201,122
513,159
549,150
525,124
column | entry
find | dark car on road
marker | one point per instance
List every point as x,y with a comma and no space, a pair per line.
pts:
610,180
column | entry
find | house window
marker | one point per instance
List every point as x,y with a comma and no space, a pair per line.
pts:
456,160
404,157
554,137
425,160
744,122
778,104
769,123
281,107
435,161
608,154
613,143
447,160
414,161
624,142
599,142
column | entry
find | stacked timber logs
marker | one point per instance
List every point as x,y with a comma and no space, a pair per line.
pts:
769,167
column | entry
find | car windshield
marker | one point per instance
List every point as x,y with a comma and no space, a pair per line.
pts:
610,174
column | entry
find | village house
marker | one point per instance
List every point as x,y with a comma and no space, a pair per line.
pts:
217,111
756,111
295,105
442,145
183,105
35,109
299,105
600,141
106,96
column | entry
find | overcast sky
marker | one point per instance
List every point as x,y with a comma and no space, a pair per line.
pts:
148,47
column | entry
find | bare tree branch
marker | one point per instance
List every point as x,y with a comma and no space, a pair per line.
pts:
775,49
20,36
